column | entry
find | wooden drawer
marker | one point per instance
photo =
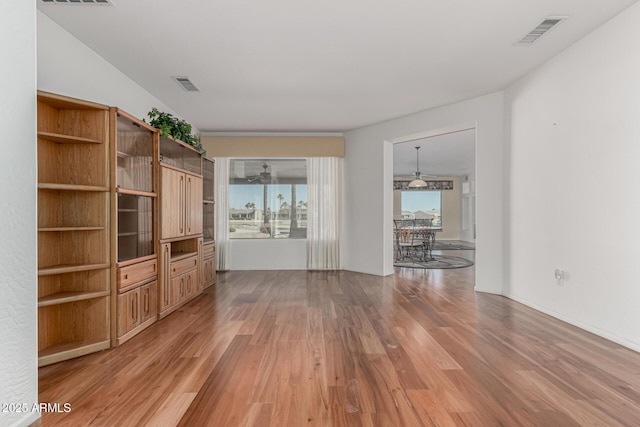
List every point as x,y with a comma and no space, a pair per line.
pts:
131,275
208,251
184,265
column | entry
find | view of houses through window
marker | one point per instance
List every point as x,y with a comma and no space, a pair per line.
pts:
421,204
267,199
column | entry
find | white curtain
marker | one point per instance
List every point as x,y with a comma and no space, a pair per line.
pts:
324,181
221,216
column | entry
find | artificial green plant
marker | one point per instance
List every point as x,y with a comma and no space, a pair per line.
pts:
174,127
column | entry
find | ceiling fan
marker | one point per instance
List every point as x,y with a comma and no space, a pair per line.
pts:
417,179
263,178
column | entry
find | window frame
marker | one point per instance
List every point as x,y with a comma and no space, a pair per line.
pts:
264,233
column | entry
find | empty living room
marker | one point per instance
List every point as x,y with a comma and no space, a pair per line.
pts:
412,213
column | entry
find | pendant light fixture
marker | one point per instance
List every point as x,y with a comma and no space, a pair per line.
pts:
417,182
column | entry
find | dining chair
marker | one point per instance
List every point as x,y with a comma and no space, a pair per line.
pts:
426,236
408,245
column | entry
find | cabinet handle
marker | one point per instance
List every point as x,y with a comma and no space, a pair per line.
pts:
182,204
146,301
187,206
166,276
133,308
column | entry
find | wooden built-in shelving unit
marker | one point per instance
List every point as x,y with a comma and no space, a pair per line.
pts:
120,226
208,237
180,263
134,148
74,295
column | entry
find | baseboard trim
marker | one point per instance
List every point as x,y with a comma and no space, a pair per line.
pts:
587,327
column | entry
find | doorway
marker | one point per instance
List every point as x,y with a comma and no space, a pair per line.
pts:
445,159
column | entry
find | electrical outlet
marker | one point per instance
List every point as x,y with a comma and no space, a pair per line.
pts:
559,275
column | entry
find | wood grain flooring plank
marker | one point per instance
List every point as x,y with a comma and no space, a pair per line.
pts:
257,415
213,390
583,414
171,411
405,370
334,349
430,411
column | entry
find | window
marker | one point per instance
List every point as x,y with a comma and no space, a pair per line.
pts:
421,204
267,199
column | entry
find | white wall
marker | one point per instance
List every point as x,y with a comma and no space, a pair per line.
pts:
575,168
468,209
367,233
18,317
268,254
68,67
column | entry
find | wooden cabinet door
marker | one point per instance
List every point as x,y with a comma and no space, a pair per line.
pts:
192,283
178,289
201,261
128,311
148,303
189,285
172,199
209,271
164,277
193,205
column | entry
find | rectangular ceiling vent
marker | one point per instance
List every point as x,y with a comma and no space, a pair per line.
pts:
80,2
545,26
186,84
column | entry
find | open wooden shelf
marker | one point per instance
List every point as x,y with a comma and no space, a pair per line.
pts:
70,349
65,297
71,187
70,268
61,229
67,139
177,256
74,292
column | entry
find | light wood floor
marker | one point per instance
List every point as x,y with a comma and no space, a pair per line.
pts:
419,348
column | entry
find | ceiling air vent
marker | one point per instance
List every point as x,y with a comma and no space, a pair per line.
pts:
84,2
186,84
545,26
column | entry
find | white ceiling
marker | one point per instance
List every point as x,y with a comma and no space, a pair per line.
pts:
306,66
453,154
332,65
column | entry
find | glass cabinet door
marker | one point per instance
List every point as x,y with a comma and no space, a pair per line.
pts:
207,179
176,154
207,222
134,156
135,226
207,199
